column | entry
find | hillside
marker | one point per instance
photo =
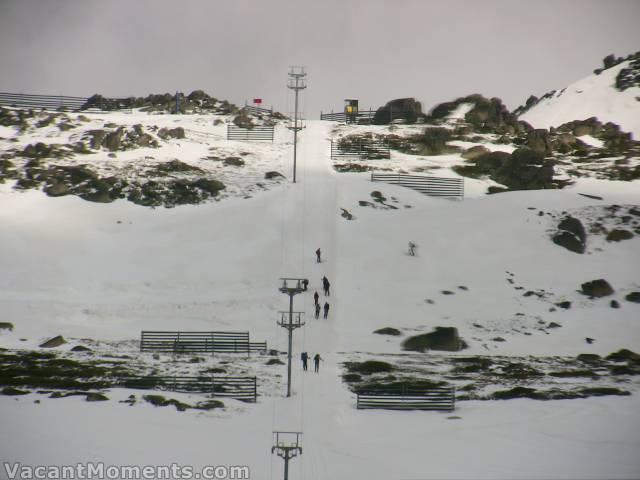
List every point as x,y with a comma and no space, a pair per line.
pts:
612,95
98,273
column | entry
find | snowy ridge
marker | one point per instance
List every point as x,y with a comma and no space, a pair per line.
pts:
593,96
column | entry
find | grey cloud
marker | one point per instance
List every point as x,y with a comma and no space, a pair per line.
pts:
369,49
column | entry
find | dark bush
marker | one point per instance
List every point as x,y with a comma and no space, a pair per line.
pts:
369,367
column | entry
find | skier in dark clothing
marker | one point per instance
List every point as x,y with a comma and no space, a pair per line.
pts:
305,284
316,362
317,311
304,357
315,298
325,285
318,259
326,309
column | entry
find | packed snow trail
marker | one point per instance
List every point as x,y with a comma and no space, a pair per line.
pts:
310,218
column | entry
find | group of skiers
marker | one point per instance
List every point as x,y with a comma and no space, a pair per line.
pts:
325,287
316,361
316,300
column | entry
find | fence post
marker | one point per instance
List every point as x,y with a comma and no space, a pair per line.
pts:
255,390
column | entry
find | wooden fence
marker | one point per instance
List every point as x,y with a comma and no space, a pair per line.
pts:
406,398
258,133
433,186
60,102
258,110
365,149
199,342
240,388
362,117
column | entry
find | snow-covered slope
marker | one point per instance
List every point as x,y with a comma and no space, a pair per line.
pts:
593,96
107,271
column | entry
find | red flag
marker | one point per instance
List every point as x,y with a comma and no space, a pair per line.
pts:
257,100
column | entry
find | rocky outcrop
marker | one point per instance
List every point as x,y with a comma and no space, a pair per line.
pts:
486,115
525,169
538,140
630,76
406,109
120,139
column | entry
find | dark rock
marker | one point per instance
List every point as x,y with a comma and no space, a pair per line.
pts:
346,214
571,235
619,234
597,288
498,339
53,342
388,331
589,340
614,304
633,297
96,397
554,325
565,304
443,338
272,175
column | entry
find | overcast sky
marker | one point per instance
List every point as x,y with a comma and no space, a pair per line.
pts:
373,50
